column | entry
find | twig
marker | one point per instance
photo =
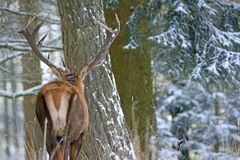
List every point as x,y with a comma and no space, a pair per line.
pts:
55,150
52,21
27,49
5,70
104,26
8,57
101,23
44,140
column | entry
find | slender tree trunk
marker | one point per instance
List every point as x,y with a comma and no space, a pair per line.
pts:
6,122
14,108
132,69
217,108
31,71
107,135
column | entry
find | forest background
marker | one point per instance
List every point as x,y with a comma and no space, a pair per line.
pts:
176,65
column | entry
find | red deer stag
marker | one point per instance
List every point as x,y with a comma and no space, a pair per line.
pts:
63,102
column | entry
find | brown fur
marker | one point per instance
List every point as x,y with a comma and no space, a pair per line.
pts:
77,117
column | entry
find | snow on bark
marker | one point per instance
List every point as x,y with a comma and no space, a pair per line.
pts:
107,127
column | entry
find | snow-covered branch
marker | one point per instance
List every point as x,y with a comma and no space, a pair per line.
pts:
20,13
5,70
170,37
30,91
206,47
25,48
225,38
13,55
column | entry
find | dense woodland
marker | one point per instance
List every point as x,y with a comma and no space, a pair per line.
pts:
168,90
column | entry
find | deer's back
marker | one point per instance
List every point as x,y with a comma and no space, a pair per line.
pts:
65,108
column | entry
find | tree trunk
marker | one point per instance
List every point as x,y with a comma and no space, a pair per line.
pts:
31,71
132,69
107,135
15,108
6,121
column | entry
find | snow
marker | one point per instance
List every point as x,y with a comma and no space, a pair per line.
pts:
17,155
212,51
203,4
223,58
202,127
10,94
166,154
181,8
131,45
212,68
165,37
224,37
114,120
114,156
169,38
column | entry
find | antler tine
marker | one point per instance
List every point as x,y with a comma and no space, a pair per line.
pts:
40,42
48,57
104,50
118,22
59,71
35,31
104,26
63,63
31,19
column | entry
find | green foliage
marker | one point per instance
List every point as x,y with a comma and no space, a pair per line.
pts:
192,39
197,40
113,4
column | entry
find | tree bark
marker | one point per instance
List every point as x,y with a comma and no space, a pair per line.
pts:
107,136
132,69
31,71
14,108
6,121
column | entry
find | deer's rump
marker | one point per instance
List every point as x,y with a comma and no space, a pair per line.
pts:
61,104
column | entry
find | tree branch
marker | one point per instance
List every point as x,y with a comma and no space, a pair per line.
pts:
52,21
27,92
45,48
5,70
8,57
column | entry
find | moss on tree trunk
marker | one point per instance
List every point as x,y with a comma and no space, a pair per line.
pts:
132,69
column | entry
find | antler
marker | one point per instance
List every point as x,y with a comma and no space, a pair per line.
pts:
104,50
31,38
